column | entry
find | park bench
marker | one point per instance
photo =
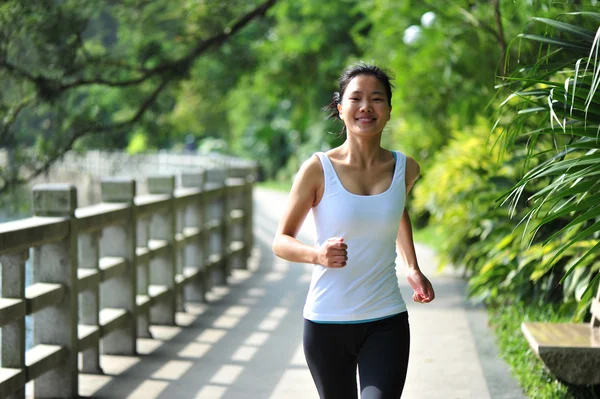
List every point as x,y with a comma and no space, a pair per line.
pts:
570,351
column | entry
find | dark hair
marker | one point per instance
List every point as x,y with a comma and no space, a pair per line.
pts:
360,68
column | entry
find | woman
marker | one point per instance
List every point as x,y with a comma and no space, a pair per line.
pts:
354,312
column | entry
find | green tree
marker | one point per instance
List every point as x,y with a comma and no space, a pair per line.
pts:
275,111
446,57
95,73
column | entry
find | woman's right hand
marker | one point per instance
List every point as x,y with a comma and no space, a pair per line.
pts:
333,253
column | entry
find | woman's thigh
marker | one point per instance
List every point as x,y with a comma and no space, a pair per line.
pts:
383,358
331,353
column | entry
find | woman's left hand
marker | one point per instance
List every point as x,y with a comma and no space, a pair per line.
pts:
423,290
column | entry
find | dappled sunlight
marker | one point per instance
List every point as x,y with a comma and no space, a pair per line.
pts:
271,322
89,383
149,389
147,346
164,333
115,365
256,292
278,312
211,335
296,381
226,321
239,311
194,350
246,341
211,392
281,267
257,338
227,374
299,360
185,319
216,294
244,354
194,308
172,370
268,325
275,276
248,301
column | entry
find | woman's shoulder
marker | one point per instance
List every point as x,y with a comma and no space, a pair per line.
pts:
410,161
412,170
412,166
311,171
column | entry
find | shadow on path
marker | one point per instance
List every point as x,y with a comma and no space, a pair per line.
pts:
244,343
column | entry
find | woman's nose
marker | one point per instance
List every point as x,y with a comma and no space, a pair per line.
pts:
365,106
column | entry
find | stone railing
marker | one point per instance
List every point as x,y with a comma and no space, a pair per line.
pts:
119,163
106,272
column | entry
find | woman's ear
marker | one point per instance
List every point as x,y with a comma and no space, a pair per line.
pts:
339,108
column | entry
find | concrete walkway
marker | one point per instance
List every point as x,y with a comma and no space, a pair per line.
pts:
246,343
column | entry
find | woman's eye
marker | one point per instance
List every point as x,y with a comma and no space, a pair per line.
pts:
354,99
377,99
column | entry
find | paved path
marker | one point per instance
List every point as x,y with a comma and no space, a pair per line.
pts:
246,342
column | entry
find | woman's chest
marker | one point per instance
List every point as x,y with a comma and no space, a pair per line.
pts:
365,182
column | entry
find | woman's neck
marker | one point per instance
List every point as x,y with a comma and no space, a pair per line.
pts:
363,152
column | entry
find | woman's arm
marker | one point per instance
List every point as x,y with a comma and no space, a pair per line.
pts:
423,290
307,187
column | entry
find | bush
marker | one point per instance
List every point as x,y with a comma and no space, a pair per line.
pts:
461,192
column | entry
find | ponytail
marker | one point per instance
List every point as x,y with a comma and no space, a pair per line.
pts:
332,107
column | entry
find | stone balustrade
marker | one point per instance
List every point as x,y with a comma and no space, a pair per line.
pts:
104,273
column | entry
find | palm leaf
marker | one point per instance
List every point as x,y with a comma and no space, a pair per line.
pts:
570,28
559,95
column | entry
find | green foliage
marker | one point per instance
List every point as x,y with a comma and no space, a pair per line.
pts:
554,111
100,74
446,60
211,144
274,112
138,143
461,191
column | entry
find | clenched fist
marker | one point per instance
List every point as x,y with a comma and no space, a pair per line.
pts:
333,253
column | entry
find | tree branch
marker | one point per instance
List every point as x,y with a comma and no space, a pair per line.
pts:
11,117
182,65
15,181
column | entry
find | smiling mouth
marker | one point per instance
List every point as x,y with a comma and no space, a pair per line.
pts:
365,119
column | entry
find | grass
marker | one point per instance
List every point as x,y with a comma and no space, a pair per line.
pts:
275,185
535,381
428,236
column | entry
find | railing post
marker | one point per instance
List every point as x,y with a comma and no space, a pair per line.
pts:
89,303
120,241
143,274
163,269
179,249
217,177
57,263
195,252
249,214
227,230
12,349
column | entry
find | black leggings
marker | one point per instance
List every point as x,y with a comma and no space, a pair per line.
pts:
379,348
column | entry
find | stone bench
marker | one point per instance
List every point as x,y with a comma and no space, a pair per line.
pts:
570,351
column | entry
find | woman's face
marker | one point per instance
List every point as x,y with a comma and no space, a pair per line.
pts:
364,107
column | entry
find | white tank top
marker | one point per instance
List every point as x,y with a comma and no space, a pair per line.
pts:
367,287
